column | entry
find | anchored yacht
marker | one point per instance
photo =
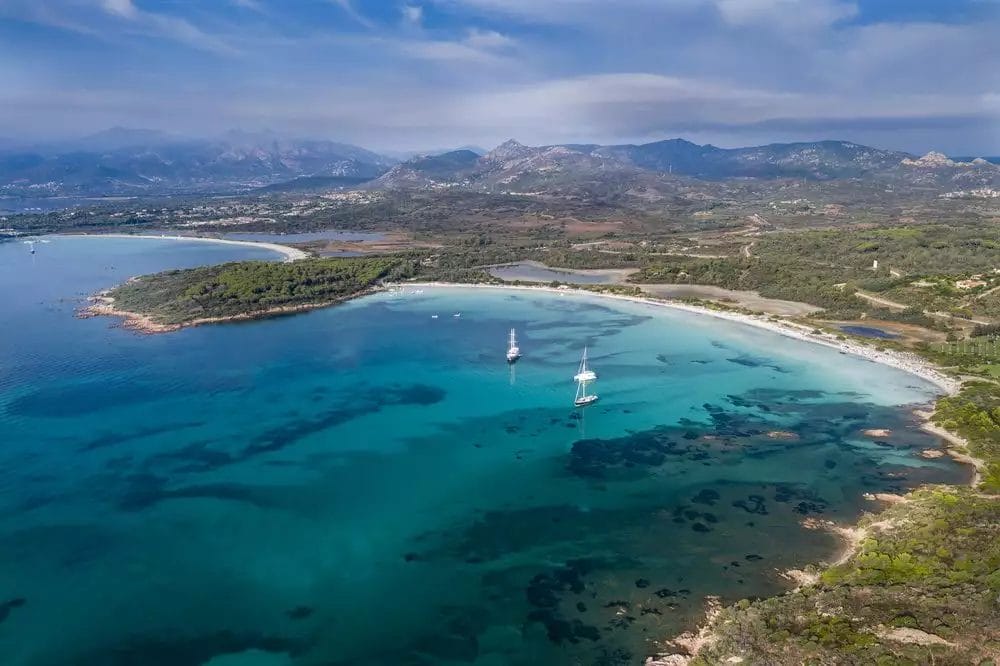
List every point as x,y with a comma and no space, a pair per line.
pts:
583,378
513,351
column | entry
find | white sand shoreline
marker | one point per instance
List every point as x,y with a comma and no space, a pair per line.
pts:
904,361
289,253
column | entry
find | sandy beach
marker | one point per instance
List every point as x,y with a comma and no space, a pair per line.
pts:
289,253
910,363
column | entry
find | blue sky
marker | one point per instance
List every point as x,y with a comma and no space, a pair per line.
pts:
424,74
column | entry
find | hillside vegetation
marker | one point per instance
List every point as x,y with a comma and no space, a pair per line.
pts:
975,415
251,287
918,267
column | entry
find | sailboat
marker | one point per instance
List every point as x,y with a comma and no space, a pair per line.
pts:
513,351
583,378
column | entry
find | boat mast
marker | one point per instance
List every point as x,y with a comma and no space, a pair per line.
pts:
581,381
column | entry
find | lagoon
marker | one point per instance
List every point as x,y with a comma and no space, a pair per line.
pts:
533,271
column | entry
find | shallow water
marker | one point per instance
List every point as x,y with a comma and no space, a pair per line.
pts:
533,272
370,485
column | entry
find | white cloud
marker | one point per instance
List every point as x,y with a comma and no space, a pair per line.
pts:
487,39
786,14
584,70
122,8
476,47
106,19
448,52
413,14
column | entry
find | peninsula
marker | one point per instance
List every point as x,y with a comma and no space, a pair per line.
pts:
238,291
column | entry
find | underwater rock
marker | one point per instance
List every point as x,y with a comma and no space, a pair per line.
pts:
605,458
805,508
7,606
618,604
706,496
561,631
753,504
300,612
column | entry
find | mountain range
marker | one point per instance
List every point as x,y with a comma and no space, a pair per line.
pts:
129,162
136,162
514,166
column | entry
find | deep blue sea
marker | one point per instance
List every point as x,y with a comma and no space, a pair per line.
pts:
369,484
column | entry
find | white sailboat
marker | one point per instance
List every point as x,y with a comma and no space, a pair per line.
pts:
583,378
513,351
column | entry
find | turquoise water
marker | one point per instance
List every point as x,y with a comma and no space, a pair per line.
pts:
369,484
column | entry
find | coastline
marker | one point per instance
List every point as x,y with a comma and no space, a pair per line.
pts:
907,362
956,448
692,642
102,305
852,535
289,253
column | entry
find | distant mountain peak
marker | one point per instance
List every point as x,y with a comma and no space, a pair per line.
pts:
508,150
932,160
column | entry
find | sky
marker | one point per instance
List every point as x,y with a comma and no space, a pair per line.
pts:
398,75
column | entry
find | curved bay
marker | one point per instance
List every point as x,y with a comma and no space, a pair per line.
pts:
367,484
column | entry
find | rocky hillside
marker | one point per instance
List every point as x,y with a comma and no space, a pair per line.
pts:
514,166
936,169
138,162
